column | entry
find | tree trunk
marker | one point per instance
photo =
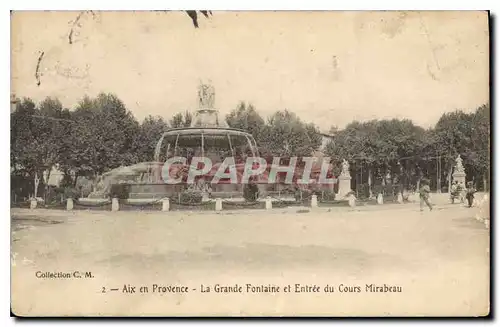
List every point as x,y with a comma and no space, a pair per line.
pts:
438,177
449,179
37,180
485,183
47,185
76,179
370,194
48,176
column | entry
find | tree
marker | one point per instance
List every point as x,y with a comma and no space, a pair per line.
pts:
313,139
181,120
120,129
85,141
479,155
37,139
356,143
51,129
24,148
286,134
22,140
103,136
146,139
377,147
246,118
402,146
452,137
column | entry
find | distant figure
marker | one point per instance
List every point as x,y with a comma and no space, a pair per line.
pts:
470,193
424,194
456,192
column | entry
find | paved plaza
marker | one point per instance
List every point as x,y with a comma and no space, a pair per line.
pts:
440,259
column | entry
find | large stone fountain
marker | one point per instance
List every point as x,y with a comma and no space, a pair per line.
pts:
208,136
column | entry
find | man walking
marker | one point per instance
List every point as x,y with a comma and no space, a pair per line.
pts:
470,193
424,194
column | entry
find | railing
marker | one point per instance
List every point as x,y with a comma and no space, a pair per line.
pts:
210,204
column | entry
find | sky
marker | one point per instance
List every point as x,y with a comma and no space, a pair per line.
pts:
330,68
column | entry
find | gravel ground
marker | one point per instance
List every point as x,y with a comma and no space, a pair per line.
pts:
440,259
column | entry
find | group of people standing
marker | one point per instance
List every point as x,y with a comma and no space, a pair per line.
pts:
456,191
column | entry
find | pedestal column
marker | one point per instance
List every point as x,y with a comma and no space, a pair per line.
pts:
344,180
459,175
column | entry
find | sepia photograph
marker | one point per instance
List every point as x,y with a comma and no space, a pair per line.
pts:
206,163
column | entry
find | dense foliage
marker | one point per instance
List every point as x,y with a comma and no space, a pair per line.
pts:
100,134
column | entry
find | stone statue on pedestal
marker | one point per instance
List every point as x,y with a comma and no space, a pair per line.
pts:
207,115
345,169
37,181
459,167
344,180
206,96
459,173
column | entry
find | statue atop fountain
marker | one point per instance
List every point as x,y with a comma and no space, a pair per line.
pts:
206,96
207,115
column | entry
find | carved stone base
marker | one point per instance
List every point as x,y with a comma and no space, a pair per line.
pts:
344,186
459,178
352,201
400,197
69,204
165,206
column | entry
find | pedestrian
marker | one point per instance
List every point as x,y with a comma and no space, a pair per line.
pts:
455,192
424,194
470,193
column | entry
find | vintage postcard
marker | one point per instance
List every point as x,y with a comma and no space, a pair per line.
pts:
210,163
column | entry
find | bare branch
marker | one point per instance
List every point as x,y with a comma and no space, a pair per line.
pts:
75,23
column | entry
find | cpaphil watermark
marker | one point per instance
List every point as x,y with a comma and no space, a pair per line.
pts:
291,170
